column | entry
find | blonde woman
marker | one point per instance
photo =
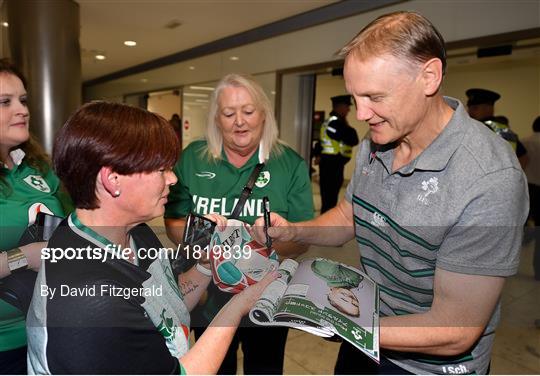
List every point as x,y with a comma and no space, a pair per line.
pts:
241,134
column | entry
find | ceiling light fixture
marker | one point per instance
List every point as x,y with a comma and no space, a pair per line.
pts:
191,67
202,88
130,43
5,24
198,95
100,57
234,58
193,103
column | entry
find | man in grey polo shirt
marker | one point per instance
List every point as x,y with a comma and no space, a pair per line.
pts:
436,205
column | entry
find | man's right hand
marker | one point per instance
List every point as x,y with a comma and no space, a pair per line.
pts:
280,229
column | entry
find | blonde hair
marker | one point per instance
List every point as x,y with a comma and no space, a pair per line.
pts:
405,35
214,137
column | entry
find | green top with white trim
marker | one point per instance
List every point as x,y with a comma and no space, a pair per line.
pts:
148,332
27,193
206,186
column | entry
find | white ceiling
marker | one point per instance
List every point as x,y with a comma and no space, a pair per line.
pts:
106,24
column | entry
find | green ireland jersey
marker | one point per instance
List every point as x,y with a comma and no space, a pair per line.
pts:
27,193
205,186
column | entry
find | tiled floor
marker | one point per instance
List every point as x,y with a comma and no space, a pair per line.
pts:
517,342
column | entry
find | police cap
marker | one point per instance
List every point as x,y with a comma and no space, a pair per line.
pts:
481,96
341,99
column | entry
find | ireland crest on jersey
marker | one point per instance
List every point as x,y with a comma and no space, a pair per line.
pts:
37,182
263,179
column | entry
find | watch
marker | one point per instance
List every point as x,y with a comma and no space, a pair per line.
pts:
16,259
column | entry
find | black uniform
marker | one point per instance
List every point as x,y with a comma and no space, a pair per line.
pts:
331,165
106,331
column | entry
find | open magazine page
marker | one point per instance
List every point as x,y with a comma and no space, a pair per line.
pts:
263,311
336,297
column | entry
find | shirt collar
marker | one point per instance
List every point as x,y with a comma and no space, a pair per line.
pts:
437,155
102,242
16,156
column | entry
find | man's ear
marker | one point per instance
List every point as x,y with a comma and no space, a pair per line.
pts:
109,180
432,75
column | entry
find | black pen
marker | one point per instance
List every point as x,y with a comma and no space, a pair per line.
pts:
266,208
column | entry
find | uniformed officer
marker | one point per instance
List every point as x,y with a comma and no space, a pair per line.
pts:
481,106
337,141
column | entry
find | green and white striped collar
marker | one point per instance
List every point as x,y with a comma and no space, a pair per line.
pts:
102,242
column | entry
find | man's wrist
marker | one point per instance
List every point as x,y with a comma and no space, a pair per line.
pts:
295,232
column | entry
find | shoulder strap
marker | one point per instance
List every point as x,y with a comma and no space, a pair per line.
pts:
246,191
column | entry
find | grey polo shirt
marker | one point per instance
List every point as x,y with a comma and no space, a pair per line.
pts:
459,206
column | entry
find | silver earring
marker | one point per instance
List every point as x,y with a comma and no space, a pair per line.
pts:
116,193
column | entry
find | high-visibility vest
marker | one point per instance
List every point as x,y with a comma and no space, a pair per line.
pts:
331,146
504,131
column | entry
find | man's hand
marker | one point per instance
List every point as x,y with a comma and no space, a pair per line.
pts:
280,229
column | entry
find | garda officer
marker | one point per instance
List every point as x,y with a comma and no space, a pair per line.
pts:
337,141
481,106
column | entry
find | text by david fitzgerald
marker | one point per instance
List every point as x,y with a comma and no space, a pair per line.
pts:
101,290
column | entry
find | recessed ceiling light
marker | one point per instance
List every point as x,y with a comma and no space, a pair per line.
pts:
234,58
5,24
100,57
202,88
198,95
130,43
194,103
191,67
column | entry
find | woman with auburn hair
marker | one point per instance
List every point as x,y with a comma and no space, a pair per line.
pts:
241,143
104,302
27,186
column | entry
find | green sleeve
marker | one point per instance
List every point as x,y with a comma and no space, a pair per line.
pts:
300,197
179,200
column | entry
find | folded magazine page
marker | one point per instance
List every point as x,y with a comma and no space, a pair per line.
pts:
325,298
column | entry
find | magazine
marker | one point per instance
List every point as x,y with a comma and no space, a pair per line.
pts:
325,298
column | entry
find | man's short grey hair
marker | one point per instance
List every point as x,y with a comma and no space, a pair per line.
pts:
404,35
